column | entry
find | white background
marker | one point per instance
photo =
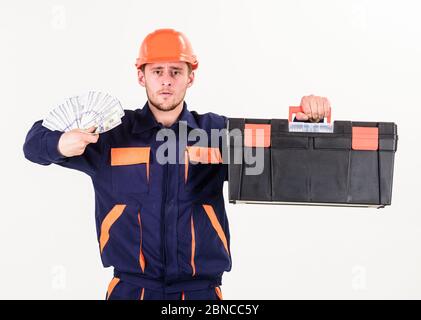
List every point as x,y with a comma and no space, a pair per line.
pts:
255,59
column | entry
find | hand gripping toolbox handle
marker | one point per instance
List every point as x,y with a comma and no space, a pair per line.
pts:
295,109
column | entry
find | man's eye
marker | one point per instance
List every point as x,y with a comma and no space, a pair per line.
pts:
157,72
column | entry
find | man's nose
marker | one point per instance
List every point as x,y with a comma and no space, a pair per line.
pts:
166,79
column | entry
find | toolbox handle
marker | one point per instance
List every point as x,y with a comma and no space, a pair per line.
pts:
296,109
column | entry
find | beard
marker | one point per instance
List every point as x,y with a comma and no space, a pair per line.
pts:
162,105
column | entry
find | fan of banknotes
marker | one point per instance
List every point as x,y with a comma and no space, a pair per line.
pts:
93,108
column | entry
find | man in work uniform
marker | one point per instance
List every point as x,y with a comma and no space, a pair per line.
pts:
161,225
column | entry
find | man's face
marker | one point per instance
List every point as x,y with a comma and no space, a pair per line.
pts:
166,83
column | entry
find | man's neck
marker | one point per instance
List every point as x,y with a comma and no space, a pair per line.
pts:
167,118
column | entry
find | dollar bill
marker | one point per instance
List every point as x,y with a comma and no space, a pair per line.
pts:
92,108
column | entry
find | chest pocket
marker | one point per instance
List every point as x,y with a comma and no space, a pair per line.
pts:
202,168
130,170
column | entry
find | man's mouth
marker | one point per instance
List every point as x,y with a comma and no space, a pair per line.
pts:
165,93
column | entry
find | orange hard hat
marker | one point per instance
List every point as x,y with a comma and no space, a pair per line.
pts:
166,45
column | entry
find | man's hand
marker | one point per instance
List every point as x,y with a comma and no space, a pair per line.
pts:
74,142
314,108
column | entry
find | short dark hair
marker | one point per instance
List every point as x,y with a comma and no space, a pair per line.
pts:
189,67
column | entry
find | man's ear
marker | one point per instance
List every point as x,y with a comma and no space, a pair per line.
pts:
141,77
190,80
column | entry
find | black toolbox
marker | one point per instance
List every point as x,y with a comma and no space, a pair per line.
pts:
349,165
